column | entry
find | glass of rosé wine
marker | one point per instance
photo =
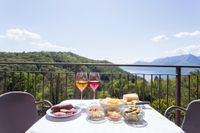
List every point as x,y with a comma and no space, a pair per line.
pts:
94,81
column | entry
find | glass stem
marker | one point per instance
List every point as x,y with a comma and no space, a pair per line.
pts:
94,94
81,95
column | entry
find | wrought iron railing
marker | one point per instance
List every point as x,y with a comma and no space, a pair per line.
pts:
57,85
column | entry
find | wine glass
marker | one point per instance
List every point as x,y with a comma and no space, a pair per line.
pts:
94,82
81,81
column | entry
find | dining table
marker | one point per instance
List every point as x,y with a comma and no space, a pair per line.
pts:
153,122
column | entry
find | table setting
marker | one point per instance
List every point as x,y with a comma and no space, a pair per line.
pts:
95,118
102,115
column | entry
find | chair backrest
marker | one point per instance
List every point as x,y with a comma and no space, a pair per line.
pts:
17,112
191,123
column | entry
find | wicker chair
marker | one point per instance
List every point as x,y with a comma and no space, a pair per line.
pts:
17,111
191,122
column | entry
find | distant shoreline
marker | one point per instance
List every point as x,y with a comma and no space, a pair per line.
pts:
155,71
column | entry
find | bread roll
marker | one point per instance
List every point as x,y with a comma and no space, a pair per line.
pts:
131,97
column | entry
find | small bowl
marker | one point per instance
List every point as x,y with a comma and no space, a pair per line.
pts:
108,104
134,116
95,113
114,115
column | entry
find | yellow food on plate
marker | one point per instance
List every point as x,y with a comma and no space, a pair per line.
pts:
113,101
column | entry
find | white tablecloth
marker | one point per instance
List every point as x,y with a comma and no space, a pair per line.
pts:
156,123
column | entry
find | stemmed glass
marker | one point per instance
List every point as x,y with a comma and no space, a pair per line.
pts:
81,81
94,81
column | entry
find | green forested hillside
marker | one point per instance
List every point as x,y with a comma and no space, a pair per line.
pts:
66,57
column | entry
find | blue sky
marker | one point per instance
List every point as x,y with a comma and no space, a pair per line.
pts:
121,31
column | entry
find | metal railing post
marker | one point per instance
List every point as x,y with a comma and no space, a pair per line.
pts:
76,91
51,88
57,88
120,87
5,89
178,93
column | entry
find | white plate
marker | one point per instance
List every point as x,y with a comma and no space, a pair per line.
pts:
49,113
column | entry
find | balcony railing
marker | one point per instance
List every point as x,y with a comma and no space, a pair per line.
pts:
161,90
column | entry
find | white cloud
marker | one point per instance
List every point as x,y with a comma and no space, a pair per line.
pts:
33,39
47,46
160,38
73,50
187,34
2,36
21,34
192,49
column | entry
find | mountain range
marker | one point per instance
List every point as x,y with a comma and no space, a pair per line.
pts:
186,60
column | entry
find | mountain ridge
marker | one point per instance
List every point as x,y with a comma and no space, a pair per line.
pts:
180,60
187,59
